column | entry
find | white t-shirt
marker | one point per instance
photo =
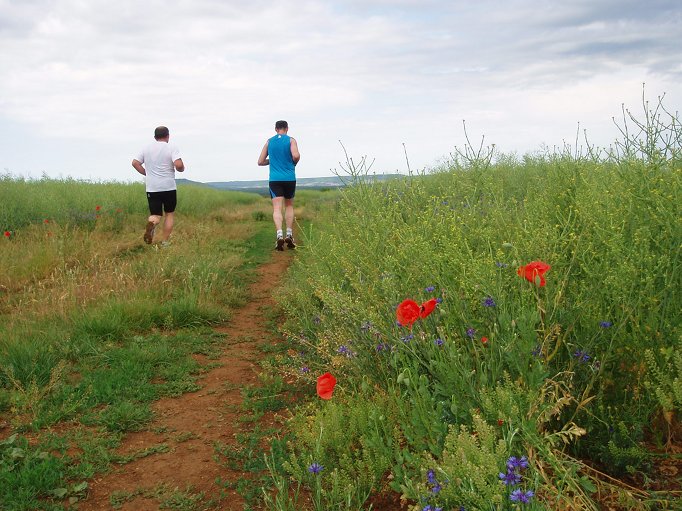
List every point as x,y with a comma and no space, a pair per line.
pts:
158,158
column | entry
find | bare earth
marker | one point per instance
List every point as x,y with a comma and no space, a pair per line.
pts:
191,423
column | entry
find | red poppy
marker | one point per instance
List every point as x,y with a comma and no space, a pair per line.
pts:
484,340
7,234
47,221
408,312
427,307
533,270
500,422
97,208
325,386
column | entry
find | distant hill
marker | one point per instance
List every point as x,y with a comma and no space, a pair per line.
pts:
261,186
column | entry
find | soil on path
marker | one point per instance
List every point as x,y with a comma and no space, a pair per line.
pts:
190,425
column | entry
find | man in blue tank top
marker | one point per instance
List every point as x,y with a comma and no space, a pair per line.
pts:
281,154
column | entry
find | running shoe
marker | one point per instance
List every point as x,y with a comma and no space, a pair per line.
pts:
149,233
290,241
279,244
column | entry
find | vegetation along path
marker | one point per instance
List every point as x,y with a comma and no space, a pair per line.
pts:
194,426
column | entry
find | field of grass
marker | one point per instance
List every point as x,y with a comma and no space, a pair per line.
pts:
520,390
95,325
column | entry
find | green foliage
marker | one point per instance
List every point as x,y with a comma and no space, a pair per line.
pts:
467,472
560,366
28,476
353,440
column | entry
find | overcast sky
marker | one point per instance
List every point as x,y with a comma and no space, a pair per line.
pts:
83,83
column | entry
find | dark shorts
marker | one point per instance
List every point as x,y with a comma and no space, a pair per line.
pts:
286,189
162,201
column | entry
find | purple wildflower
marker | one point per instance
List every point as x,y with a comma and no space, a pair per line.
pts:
407,338
511,478
489,302
582,356
471,332
519,495
501,265
513,463
605,324
315,468
436,488
431,477
382,346
439,300
438,342
305,369
429,289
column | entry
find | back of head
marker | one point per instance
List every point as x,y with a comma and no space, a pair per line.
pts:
281,125
161,132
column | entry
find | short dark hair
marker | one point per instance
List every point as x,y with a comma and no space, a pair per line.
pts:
281,125
161,132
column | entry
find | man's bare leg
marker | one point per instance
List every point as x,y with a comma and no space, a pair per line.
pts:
152,222
289,217
277,218
168,223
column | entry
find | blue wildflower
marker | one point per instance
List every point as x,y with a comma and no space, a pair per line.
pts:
305,369
439,300
436,488
429,289
582,356
513,463
382,346
407,338
315,468
438,342
471,332
519,495
511,478
431,477
489,302
605,324
501,265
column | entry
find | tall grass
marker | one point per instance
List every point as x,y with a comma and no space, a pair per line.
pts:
555,373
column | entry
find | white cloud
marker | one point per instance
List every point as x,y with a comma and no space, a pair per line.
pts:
377,73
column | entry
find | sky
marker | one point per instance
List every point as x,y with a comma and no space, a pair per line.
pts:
83,83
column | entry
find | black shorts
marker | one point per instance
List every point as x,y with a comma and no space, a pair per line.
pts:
286,189
162,201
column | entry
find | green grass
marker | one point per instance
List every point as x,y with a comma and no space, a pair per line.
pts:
562,375
113,324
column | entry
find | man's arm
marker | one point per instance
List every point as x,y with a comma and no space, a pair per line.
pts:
179,165
138,166
295,155
263,158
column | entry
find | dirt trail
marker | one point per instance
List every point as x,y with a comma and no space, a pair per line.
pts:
191,423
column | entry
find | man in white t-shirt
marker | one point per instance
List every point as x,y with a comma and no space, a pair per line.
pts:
160,160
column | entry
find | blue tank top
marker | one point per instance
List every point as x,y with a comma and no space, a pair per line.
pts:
281,163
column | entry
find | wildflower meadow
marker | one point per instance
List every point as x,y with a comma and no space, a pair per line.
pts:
501,333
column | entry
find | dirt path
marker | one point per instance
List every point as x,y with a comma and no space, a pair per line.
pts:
190,424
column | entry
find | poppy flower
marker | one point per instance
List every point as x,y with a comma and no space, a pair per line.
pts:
97,208
484,340
500,422
407,312
47,221
325,386
427,307
7,234
533,270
